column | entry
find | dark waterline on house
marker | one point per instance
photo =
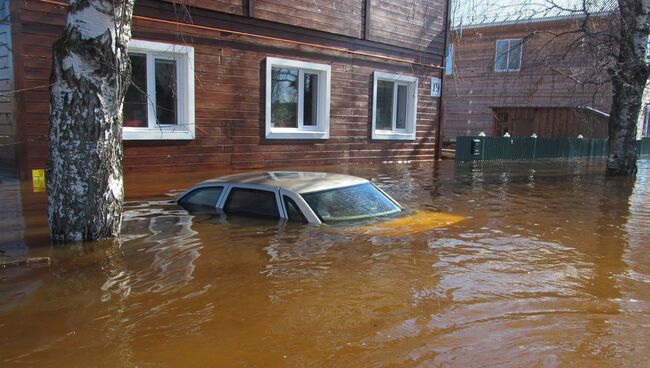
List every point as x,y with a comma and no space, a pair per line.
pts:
551,267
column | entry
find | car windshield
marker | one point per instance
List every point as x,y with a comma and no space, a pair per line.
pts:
350,203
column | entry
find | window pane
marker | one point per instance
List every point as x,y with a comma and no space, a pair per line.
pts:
400,123
294,213
284,97
384,119
502,55
309,117
350,203
259,203
166,92
514,60
202,196
135,100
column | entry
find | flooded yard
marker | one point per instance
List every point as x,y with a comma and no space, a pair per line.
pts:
550,267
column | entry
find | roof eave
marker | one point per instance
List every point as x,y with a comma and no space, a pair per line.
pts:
528,21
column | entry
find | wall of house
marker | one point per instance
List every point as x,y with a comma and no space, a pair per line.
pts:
413,24
549,76
7,121
229,77
549,122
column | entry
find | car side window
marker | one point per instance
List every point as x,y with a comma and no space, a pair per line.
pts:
293,212
252,202
207,196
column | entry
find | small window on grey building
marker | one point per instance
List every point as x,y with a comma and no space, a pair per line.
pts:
508,55
252,202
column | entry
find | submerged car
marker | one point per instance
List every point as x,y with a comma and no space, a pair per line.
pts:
306,197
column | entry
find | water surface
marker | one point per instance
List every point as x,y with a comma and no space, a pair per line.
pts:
550,268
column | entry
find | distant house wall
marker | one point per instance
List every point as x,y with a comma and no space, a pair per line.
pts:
231,46
549,122
547,77
7,121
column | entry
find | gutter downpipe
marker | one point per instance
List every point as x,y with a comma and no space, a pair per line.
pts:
441,104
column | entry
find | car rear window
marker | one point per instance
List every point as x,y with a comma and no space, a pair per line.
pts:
350,203
202,197
252,202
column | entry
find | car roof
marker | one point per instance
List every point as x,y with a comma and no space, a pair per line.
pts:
295,181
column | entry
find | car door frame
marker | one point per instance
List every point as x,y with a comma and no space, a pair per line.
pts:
307,212
276,191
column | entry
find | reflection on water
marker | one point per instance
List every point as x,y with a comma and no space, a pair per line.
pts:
550,268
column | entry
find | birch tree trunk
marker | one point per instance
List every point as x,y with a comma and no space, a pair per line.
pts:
629,76
84,171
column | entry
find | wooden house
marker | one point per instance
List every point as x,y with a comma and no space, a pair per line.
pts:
245,84
527,73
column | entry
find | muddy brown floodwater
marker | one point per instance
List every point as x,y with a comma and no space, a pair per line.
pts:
550,268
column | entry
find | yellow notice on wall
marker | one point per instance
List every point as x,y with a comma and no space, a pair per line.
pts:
38,180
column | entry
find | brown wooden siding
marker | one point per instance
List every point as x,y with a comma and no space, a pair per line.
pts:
549,122
238,7
229,104
334,16
547,78
416,25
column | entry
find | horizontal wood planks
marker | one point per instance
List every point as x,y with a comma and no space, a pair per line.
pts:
229,103
417,25
238,7
550,122
335,16
549,76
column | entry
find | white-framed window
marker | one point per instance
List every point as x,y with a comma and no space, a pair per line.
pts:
297,99
159,103
508,55
394,106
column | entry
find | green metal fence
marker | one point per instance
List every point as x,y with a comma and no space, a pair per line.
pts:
518,148
643,147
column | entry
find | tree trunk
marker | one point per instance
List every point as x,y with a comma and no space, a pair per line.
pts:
84,171
629,77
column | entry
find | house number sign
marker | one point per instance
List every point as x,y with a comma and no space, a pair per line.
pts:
436,86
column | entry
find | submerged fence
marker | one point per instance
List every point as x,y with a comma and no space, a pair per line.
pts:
525,148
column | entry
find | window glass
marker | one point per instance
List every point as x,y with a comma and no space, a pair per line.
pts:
260,203
297,99
293,212
400,122
350,203
514,55
135,100
161,93
394,110
165,92
310,110
502,55
284,97
384,120
202,197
